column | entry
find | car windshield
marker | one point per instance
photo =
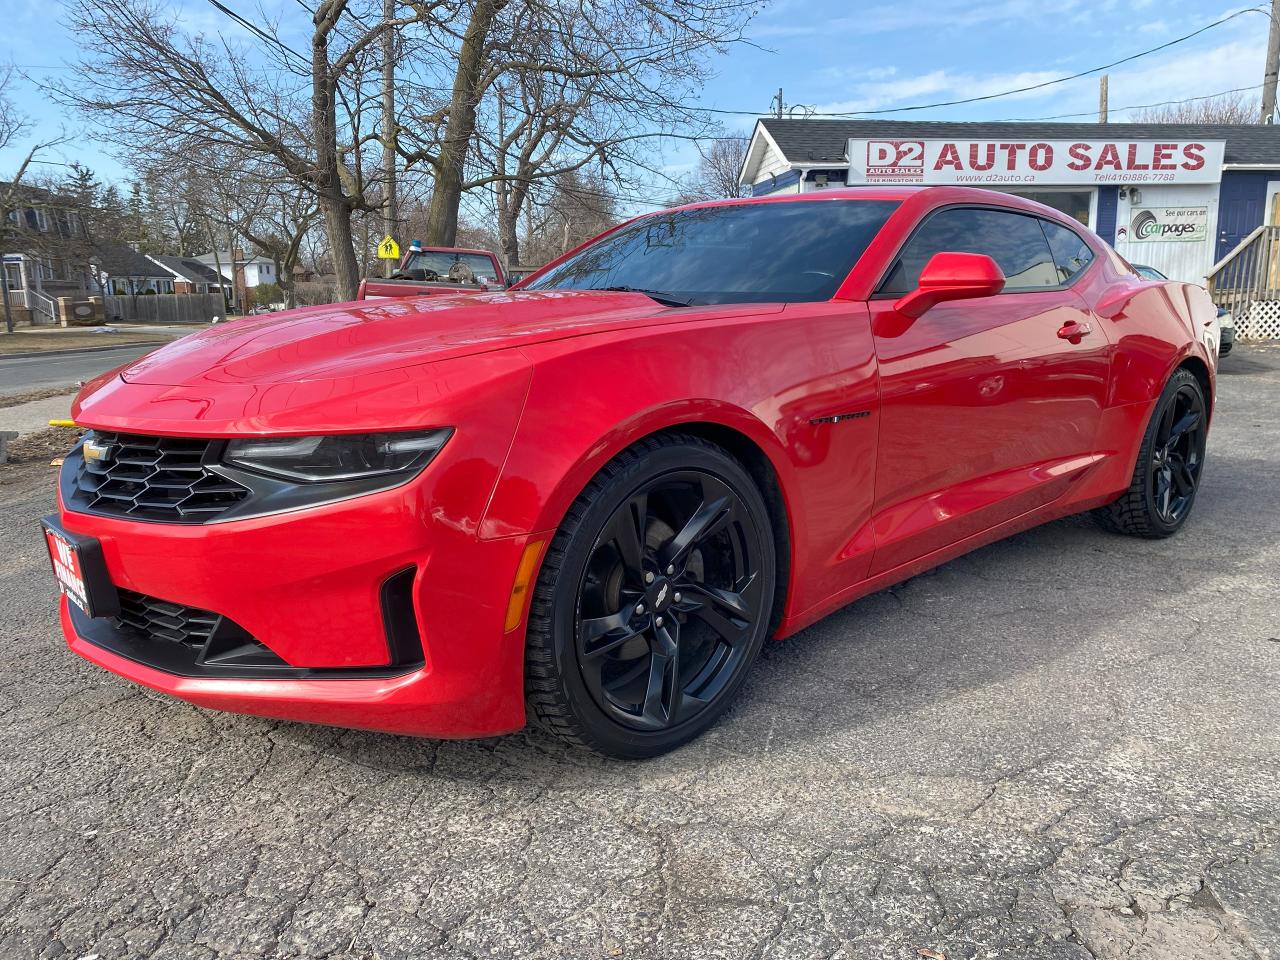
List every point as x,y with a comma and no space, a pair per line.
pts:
459,267
795,251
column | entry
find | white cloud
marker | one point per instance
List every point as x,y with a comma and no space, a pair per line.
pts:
935,85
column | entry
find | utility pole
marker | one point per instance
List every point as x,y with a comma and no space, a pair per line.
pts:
777,112
1272,69
1102,98
390,208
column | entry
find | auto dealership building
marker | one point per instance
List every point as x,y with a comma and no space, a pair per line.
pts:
1177,197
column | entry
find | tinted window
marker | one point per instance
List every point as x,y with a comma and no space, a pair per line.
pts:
1070,253
1012,240
745,253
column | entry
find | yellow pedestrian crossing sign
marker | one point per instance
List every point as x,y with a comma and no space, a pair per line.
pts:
388,249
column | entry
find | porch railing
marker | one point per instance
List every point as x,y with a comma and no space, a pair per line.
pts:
43,309
39,304
1248,274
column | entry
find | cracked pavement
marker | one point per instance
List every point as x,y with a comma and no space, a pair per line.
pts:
1062,746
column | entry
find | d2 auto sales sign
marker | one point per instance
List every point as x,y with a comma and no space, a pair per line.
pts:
1032,162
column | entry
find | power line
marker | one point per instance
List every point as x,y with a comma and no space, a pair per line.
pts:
1003,93
256,30
1134,106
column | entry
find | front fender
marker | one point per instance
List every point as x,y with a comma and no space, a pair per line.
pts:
800,384
562,442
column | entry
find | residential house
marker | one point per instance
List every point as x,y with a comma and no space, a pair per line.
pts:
191,276
45,243
253,270
123,272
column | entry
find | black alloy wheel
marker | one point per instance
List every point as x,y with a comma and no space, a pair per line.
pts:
658,593
1178,454
1170,464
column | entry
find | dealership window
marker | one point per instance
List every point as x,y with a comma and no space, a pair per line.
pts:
1074,203
1012,240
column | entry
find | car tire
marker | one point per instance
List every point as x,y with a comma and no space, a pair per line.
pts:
653,600
1170,465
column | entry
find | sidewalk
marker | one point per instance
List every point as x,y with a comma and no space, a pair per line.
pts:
31,340
35,415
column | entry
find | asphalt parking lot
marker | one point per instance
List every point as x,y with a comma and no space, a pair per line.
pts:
1062,746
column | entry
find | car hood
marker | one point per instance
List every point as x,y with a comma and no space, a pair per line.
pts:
353,339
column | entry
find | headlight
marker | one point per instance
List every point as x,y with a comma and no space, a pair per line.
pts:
340,457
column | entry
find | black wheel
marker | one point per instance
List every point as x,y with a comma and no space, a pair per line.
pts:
653,600
1169,467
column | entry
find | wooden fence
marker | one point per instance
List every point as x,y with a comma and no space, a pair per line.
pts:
166,307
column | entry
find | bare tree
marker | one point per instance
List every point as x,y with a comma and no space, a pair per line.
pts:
573,81
14,193
12,122
573,211
1224,108
716,175
170,94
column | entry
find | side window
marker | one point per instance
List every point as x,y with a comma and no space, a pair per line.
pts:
1012,240
1070,253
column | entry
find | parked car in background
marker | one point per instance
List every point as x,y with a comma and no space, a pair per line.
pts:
431,271
590,500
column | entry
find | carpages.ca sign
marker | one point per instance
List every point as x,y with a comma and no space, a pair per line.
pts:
1032,162
1165,223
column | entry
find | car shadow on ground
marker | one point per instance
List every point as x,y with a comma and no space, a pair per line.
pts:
1012,607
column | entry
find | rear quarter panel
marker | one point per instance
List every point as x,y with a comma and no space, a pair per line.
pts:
1154,326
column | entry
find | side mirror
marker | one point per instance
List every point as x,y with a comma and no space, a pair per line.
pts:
952,276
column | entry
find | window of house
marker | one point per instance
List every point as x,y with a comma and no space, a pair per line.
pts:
13,276
1070,254
1012,240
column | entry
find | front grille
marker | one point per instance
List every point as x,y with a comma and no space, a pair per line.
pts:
153,478
161,620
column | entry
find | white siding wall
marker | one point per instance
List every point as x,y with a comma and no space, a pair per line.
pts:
1177,260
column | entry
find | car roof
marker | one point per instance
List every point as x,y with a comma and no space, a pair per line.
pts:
483,253
932,196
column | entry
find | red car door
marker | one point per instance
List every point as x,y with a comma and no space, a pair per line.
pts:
989,407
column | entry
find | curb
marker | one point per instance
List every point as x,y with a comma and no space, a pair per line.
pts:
69,350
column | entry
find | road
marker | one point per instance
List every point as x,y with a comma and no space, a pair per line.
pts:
1061,747
20,374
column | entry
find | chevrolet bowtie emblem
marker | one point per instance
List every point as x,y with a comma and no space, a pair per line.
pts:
93,450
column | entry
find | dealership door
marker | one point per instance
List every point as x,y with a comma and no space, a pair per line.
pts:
1240,210
986,412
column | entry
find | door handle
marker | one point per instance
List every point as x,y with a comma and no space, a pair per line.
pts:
1074,331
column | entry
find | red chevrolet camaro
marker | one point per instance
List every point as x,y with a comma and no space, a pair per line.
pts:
589,500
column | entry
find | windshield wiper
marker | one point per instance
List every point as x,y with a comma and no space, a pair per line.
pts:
663,298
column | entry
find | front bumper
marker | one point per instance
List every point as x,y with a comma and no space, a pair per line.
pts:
307,585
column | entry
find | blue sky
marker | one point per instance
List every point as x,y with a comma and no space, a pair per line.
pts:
828,57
